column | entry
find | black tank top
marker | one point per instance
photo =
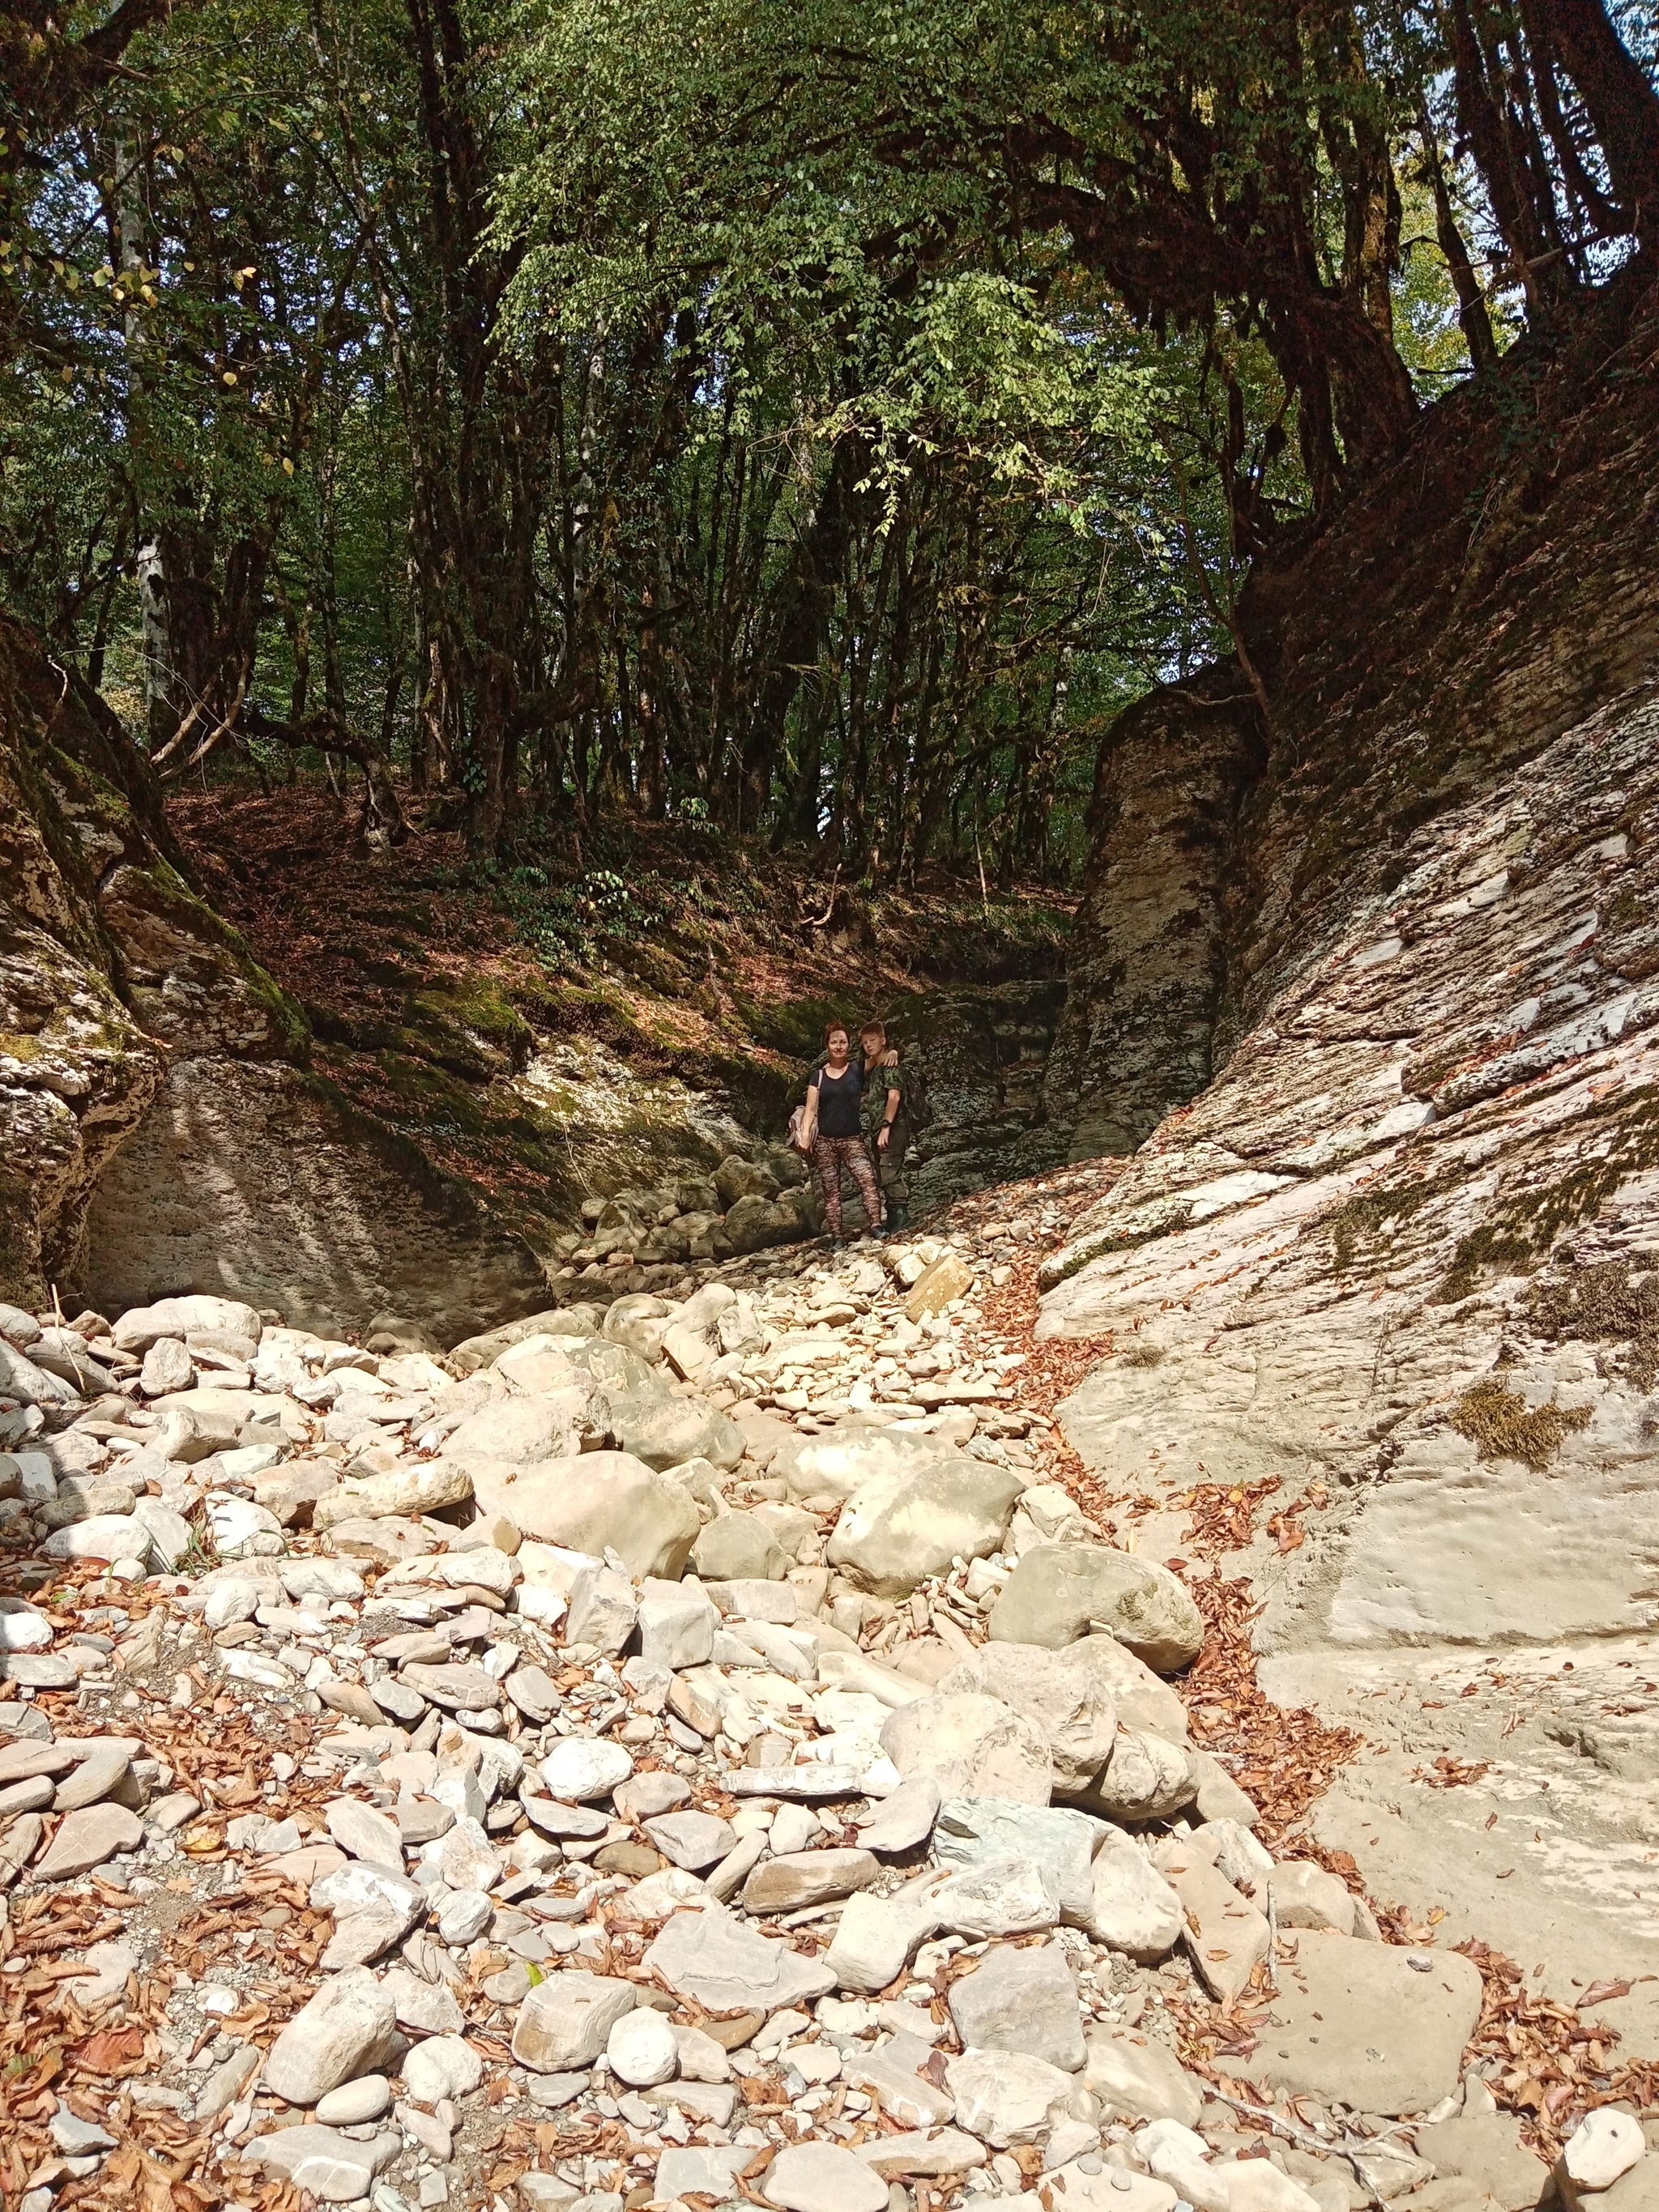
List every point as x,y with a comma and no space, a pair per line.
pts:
839,1101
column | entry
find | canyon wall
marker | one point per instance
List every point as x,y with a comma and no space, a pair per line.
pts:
1390,1240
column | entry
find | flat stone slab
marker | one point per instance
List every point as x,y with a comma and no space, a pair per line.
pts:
1023,2001
456,1687
708,2170
905,1818
820,2177
40,1670
323,2162
26,1758
1368,2025
366,1834
566,2020
726,1966
810,1781
555,1818
693,1840
926,2151
104,1536
979,1830
103,1770
582,1768
87,1838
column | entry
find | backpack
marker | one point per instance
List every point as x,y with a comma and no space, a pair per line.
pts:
797,1124
917,1104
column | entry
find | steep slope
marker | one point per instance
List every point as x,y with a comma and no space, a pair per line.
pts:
160,1129
1397,1255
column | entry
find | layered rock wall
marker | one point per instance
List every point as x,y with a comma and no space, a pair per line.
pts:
1149,958
1403,1237
1396,1262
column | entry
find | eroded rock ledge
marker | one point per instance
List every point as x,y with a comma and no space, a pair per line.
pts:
1397,1256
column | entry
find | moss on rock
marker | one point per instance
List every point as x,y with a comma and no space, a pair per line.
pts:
1502,1425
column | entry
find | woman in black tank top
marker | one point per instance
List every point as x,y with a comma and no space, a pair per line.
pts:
835,1134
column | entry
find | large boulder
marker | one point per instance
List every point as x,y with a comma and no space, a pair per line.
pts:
1059,1592
1486,2146
348,2028
639,1321
736,1179
902,1526
738,1547
1226,1936
1143,1699
983,1831
841,1463
972,1746
522,1431
754,1223
1066,1697
566,2018
1004,2097
537,1366
1146,1778
423,1487
729,1966
208,1320
1131,1907
1023,2001
475,1352
1138,2078
1375,2026
646,1417
23,1379
594,1500
690,1342
666,1432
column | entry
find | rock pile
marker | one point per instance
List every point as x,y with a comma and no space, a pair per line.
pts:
745,1205
668,1751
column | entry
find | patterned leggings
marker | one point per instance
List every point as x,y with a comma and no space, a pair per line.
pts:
829,1156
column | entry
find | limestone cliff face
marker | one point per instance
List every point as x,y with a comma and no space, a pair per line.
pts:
1401,973
159,1129
1148,969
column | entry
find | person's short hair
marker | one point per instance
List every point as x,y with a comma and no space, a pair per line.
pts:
873,1029
831,1029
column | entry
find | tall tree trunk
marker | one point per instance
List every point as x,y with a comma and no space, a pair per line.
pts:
795,634
1472,315
1621,102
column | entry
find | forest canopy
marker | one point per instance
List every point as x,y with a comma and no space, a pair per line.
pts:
815,420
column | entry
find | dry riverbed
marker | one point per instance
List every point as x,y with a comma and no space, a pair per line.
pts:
694,1749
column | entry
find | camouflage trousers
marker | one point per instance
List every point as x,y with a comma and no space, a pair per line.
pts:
890,1160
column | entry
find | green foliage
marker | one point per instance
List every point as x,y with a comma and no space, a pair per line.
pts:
568,924
814,421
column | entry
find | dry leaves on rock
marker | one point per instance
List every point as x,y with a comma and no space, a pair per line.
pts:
1449,1773
1223,1519
1553,2064
112,2052
1282,1757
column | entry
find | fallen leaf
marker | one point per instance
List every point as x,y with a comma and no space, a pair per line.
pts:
1600,1992
112,2052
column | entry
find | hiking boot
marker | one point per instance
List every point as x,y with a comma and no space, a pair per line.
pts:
897,1219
